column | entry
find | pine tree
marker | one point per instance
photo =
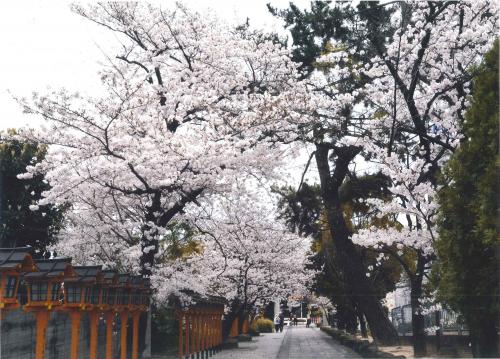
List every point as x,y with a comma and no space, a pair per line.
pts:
20,225
468,247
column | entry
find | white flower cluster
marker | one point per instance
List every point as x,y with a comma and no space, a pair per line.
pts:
417,96
246,256
192,106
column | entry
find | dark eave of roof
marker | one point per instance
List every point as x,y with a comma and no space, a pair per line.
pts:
10,258
49,268
204,300
86,274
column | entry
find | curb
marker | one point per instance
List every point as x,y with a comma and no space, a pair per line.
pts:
363,347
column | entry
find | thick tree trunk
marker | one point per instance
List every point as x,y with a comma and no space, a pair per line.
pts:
347,318
234,312
149,248
362,323
417,319
348,256
243,314
484,338
380,326
149,241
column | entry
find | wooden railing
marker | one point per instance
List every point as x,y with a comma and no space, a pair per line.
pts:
200,330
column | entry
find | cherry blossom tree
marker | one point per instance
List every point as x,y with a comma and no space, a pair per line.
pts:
413,209
247,256
398,74
418,95
187,105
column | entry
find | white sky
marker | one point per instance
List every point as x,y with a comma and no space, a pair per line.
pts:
46,45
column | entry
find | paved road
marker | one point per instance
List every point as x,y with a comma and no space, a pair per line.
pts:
294,343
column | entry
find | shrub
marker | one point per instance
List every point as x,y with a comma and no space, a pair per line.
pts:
263,325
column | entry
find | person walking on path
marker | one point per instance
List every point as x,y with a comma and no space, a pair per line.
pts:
282,321
277,323
295,320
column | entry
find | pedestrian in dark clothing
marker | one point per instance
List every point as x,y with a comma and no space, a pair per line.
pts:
282,321
295,320
277,324
308,323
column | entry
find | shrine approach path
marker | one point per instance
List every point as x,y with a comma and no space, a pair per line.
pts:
293,343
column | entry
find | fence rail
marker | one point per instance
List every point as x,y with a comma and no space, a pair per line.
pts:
449,321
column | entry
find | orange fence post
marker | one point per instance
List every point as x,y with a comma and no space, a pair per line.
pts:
214,330
211,333
192,334
217,323
181,320
94,321
204,332
234,328
135,334
123,334
198,333
244,328
76,317
187,335
109,334
220,325
42,319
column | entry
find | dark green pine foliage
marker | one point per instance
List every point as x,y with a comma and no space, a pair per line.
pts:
310,32
19,226
468,247
303,211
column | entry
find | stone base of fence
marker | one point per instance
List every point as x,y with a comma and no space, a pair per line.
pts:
244,338
451,346
230,343
18,336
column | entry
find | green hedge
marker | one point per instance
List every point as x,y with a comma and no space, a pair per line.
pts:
263,325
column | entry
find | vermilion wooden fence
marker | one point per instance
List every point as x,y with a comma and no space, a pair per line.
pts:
200,329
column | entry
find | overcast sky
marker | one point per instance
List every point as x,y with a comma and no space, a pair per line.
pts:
45,45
